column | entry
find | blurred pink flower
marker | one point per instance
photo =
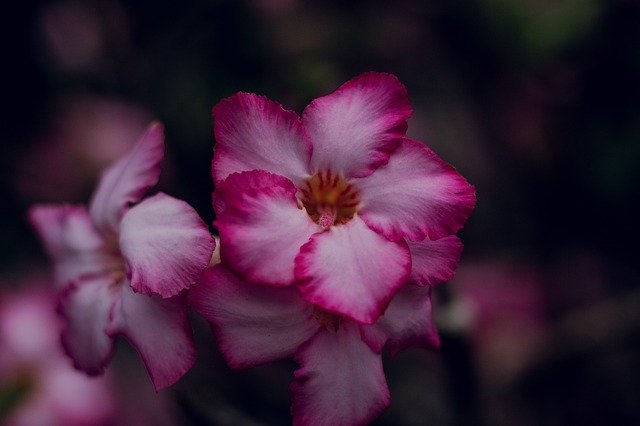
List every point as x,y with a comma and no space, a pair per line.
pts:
87,134
340,380
501,305
49,391
338,196
121,265
77,35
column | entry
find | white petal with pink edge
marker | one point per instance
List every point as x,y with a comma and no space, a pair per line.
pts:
165,245
85,306
408,321
254,133
159,329
72,241
355,128
253,323
416,195
434,262
340,380
234,185
351,270
126,181
262,230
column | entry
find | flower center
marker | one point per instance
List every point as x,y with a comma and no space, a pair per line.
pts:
112,262
329,199
326,318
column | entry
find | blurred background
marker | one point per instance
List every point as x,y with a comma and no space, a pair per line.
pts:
535,102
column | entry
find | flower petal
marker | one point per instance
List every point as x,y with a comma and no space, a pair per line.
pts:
253,132
416,195
71,240
234,185
263,228
159,329
340,380
408,321
434,262
126,181
165,245
351,270
85,305
253,323
355,128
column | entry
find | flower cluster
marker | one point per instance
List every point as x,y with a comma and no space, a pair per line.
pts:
333,227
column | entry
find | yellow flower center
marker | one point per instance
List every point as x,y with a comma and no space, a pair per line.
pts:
329,199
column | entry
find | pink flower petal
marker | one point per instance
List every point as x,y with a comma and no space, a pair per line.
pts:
416,195
126,181
71,240
86,306
159,329
434,262
340,380
263,228
234,185
355,128
253,132
407,322
351,270
165,245
253,323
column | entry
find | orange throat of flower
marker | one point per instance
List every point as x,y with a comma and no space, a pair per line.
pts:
329,199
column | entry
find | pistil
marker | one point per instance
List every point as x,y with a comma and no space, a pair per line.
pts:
327,216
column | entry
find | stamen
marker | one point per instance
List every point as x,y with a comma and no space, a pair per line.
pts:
329,199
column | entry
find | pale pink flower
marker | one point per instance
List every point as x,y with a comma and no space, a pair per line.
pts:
338,202
121,266
87,133
340,380
32,364
500,305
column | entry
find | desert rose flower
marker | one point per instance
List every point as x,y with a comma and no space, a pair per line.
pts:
340,380
338,202
122,263
36,379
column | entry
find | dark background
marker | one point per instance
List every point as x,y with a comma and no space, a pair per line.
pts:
536,103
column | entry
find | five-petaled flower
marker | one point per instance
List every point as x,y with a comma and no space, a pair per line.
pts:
339,202
341,211
122,264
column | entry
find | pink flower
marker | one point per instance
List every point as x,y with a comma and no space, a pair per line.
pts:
500,304
122,264
86,134
340,380
338,202
336,213
32,366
